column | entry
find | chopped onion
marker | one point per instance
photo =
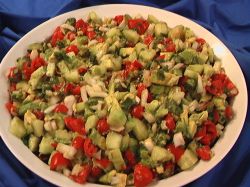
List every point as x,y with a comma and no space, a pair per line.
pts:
149,117
67,26
67,151
69,101
178,139
93,93
149,144
76,169
84,94
50,108
33,54
144,97
199,84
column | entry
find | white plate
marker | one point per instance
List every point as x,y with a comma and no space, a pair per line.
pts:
43,31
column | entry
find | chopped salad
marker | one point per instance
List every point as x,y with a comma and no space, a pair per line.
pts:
120,101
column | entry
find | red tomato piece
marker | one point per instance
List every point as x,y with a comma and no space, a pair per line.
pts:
76,90
68,88
39,114
75,124
54,144
229,112
83,175
58,161
102,126
72,48
57,36
182,82
200,41
140,88
130,157
78,142
81,25
37,63
216,116
131,66
82,70
70,36
91,34
103,163
27,71
204,152
119,19
96,172
148,39
170,122
61,108
137,111
143,175
100,39
12,72
176,151
89,148
10,107
170,48
140,25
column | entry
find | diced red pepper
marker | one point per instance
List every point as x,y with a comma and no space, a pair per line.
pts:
57,36
138,111
176,151
58,161
229,112
131,66
76,90
102,126
81,25
140,25
204,152
148,39
68,88
78,142
143,175
82,70
140,88
216,116
170,122
61,108
12,72
54,144
200,41
91,34
37,63
75,124
83,175
39,114
96,172
119,19
27,71
10,107
130,157
100,39
103,163
89,148
170,48
72,48
70,36
207,134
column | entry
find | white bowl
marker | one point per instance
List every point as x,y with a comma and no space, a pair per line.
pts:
43,31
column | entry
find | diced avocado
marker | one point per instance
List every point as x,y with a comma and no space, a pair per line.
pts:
202,58
167,55
115,156
140,129
97,139
157,89
189,56
45,146
199,118
35,46
124,52
29,118
63,136
72,76
58,117
36,76
140,46
125,142
187,160
31,106
113,140
113,32
160,154
80,107
208,70
152,19
147,55
107,178
91,122
51,69
116,118
152,106
192,146
133,144
219,103
191,74
161,112
63,67
38,127
33,143
95,18
129,125
169,79
198,68
192,128
177,32
161,29
188,33
110,62
22,85
17,127
131,35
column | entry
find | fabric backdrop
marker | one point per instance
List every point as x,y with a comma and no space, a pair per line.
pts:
227,19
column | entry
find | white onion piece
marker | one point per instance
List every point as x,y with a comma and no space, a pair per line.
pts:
69,101
50,108
178,139
67,151
84,95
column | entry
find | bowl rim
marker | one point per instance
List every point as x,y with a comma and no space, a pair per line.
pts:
188,177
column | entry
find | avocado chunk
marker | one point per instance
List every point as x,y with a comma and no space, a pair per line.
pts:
165,79
189,56
177,32
45,146
17,127
161,29
187,160
107,178
115,156
147,55
160,154
113,140
131,35
140,129
116,118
